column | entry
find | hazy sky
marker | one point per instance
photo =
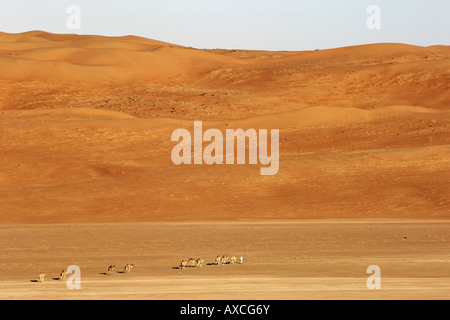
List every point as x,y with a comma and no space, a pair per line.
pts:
240,24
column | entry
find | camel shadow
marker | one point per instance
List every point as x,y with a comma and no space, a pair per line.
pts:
180,268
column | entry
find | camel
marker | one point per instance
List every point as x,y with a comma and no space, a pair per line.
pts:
62,275
225,259
41,277
191,261
128,268
111,269
199,262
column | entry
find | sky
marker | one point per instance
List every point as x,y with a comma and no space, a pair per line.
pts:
240,24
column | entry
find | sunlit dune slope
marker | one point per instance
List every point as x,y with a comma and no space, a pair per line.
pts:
150,78
86,123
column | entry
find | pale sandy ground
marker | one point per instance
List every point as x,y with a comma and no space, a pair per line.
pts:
282,260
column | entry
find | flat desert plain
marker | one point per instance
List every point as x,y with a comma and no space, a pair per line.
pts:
86,176
281,260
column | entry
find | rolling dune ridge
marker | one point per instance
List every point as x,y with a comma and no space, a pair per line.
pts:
86,124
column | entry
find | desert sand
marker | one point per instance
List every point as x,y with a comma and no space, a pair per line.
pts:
306,259
86,175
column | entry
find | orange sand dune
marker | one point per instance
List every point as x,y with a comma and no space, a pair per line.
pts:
86,121
150,78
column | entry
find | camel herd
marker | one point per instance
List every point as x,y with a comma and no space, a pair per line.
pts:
191,262
126,269
63,273
220,259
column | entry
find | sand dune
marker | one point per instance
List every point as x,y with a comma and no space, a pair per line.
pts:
41,55
86,123
230,83
86,164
